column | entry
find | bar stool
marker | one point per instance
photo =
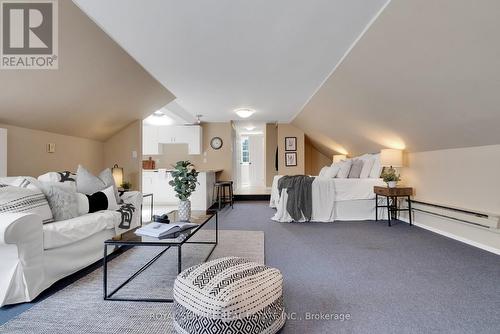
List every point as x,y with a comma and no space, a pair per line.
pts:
222,197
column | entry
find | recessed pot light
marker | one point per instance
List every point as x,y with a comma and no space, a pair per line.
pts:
244,112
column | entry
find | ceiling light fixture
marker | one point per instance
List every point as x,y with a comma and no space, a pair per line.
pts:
250,128
244,112
159,113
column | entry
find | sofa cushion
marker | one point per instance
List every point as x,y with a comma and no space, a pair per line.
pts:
25,200
66,177
87,183
62,199
69,231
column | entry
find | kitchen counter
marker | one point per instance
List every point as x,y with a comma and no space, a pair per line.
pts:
171,170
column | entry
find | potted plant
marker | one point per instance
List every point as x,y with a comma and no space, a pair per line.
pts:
126,186
184,181
390,177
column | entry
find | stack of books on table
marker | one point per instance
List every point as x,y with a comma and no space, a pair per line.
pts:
164,231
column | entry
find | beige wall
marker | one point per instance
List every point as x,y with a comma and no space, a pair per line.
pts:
314,159
210,158
466,178
288,130
27,153
119,150
271,145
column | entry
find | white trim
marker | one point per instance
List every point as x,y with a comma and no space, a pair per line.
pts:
375,17
464,240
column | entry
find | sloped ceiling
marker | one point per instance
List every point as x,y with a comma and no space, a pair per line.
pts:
97,90
425,76
216,56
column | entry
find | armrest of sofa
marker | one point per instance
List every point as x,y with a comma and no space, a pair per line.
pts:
21,250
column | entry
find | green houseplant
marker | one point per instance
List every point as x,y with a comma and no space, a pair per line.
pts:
185,179
390,176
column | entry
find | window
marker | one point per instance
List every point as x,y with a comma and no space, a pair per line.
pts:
245,154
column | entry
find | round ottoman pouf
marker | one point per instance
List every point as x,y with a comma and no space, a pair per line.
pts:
229,295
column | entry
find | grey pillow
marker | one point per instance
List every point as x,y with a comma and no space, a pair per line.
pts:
87,183
62,200
356,168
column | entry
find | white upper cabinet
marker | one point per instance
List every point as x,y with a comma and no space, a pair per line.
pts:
176,134
150,143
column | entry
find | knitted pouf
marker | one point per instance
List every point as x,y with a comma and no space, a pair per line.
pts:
229,295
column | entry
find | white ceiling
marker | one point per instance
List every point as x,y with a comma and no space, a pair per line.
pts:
215,56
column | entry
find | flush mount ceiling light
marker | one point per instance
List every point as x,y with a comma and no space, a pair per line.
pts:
244,112
250,128
159,118
159,113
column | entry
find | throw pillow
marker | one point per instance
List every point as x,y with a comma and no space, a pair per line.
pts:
333,171
323,172
62,200
87,183
357,166
377,167
25,200
65,177
345,168
367,168
101,200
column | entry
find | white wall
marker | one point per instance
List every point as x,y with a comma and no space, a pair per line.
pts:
3,152
468,178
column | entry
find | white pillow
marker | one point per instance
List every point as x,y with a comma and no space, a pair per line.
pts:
367,168
101,200
344,168
323,172
333,171
377,167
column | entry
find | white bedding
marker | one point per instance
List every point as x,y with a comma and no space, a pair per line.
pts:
325,194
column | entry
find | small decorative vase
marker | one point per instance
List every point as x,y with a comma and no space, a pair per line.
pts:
392,184
184,211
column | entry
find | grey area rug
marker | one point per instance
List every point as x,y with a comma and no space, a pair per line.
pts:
80,308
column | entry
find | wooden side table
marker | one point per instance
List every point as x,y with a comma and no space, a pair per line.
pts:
391,195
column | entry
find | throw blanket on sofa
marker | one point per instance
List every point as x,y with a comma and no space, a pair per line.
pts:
299,191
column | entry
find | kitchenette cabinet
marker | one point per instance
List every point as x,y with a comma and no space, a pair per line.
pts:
156,136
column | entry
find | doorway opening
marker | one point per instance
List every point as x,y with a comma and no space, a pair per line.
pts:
249,158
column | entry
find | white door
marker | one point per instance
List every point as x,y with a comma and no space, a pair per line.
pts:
256,148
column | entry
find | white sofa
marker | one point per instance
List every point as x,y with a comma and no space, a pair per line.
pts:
35,255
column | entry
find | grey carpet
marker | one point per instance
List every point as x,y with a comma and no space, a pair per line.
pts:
397,279
79,308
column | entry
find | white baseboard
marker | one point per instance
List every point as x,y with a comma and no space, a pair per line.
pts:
456,237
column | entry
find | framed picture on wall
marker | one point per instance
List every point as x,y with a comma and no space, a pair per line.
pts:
290,143
290,159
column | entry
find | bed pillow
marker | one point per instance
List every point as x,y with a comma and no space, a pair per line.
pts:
25,200
367,168
344,168
323,172
101,200
62,199
377,167
87,183
333,171
357,166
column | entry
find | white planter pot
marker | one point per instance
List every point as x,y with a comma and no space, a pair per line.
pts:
184,211
392,184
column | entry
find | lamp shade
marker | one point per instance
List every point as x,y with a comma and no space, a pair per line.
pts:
391,157
339,157
117,175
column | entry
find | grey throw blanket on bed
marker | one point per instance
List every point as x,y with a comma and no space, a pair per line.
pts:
299,190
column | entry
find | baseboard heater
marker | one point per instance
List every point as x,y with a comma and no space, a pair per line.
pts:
482,219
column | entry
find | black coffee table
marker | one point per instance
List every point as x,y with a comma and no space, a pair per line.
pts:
129,238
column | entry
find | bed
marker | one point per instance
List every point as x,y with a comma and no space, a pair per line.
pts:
332,199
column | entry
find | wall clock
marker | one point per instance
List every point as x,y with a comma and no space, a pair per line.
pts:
216,143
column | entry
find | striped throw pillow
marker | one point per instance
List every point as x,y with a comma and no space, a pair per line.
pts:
25,200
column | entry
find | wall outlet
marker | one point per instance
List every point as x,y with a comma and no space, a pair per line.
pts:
204,160
51,148
134,154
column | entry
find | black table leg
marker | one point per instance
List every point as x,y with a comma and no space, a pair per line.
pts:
179,259
376,207
105,272
389,217
409,211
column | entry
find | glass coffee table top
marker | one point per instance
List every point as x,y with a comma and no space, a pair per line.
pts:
197,217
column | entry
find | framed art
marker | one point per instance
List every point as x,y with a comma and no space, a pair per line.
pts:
291,159
290,143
